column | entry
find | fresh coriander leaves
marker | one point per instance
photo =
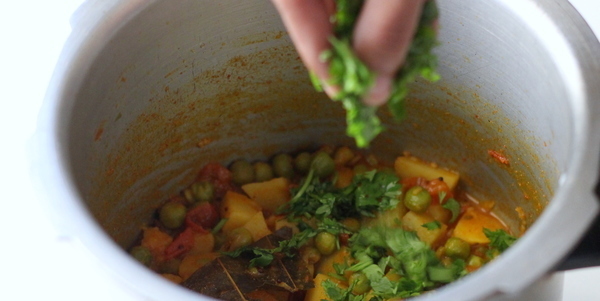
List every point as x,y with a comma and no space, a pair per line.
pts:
381,249
326,205
499,239
355,79
454,207
369,192
432,225
265,256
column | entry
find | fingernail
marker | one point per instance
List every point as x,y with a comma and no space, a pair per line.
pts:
380,92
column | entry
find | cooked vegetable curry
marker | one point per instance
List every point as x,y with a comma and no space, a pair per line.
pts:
334,224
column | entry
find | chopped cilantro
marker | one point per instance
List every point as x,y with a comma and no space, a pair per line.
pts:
432,225
369,192
380,249
441,196
499,239
326,205
355,79
454,207
264,257
447,274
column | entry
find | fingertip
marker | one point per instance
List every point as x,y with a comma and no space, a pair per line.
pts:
380,92
330,90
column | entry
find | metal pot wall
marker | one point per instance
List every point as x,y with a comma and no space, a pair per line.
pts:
146,92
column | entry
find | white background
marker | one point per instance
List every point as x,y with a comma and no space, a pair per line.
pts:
35,262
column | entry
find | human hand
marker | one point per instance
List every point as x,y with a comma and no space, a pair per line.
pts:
382,37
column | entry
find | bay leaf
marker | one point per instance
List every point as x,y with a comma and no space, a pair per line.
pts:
230,278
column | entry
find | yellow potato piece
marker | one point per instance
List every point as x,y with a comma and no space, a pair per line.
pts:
173,278
270,195
192,262
257,226
203,243
409,167
470,226
156,241
414,222
238,209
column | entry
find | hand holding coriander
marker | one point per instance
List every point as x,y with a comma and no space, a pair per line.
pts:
364,53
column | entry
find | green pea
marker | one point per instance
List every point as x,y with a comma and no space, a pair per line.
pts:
323,165
310,255
475,261
172,215
417,199
302,162
142,254
351,224
263,171
283,166
238,238
203,191
326,243
242,172
361,283
457,248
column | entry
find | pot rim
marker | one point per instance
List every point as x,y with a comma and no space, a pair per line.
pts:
559,26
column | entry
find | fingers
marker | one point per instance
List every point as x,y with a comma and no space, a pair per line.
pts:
382,37
307,22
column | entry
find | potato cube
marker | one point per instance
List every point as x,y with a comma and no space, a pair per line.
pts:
409,167
439,213
470,226
192,262
156,241
238,209
257,226
270,195
203,243
414,222
173,278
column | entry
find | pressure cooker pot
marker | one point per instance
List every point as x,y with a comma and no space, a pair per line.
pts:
147,92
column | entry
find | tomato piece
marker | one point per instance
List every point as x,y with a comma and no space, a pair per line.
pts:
499,157
180,245
344,239
409,183
219,176
435,186
202,217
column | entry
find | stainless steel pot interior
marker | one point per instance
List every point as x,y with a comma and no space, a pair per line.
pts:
153,90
